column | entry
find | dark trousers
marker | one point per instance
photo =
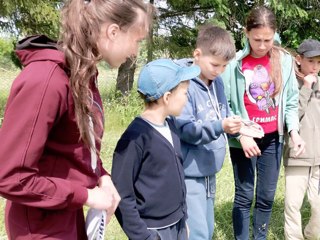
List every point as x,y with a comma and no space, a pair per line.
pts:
266,167
177,231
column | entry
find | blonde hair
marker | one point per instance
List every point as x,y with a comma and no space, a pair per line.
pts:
80,29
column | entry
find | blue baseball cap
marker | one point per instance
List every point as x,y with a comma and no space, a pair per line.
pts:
160,76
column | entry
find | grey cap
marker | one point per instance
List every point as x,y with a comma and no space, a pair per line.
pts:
309,48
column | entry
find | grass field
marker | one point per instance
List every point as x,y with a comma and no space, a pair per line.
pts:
118,115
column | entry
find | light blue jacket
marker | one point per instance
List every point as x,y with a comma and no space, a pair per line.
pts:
203,140
234,82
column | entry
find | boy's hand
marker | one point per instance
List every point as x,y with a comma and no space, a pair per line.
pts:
309,80
231,125
298,143
250,147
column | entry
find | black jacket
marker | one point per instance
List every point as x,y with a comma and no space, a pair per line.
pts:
147,171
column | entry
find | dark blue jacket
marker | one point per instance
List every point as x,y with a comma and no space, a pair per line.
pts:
148,174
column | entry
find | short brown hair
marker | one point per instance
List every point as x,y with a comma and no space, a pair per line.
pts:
216,41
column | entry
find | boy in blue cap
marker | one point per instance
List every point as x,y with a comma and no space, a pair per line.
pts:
147,163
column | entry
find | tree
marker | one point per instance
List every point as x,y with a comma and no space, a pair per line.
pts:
175,31
125,76
25,17
5,53
297,20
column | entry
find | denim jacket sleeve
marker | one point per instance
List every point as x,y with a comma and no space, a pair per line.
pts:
196,131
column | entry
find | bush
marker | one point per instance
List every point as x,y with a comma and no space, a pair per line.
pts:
6,53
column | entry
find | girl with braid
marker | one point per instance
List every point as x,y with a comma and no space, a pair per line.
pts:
53,123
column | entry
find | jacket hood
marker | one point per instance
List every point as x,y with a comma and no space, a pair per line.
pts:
188,62
244,52
39,48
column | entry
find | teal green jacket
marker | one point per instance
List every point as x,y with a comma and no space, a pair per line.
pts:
234,85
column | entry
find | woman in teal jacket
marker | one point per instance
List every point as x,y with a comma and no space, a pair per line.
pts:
260,86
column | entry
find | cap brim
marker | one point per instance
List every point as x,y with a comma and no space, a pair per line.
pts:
311,54
188,73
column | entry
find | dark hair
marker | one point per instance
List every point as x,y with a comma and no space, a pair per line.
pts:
260,17
80,29
216,41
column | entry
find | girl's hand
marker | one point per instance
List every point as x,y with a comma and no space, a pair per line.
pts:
309,80
106,184
298,143
104,197
250,147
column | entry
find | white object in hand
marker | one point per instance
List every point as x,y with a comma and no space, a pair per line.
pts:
251,129
96,224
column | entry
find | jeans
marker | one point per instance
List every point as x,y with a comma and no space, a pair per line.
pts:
200,202
266,167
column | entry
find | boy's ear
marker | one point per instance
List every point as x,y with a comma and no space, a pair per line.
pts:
197,53
298,59
166,97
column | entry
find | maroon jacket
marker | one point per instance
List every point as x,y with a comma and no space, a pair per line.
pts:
45,168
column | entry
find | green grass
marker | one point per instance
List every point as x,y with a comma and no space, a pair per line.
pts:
119,114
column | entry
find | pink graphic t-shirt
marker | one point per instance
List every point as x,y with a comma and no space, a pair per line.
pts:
261,107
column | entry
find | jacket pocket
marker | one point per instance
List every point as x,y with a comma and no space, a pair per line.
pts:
307,134
203,161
